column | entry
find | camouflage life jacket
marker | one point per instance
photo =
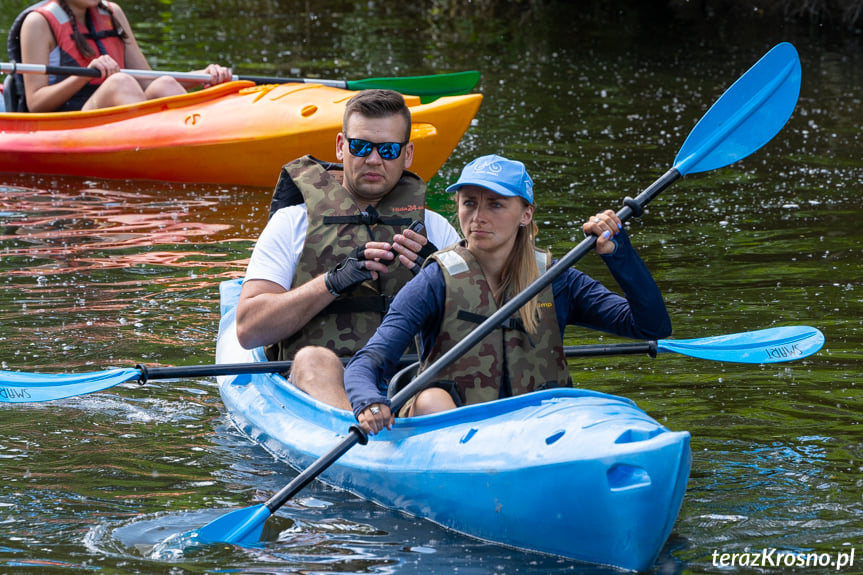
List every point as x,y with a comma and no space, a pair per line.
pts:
336,226
508,361
100,36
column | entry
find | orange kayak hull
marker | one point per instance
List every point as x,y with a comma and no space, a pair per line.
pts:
234,133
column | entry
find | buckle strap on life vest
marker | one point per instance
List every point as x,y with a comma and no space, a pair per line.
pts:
96,36
361,304
369,217
514,323
93,35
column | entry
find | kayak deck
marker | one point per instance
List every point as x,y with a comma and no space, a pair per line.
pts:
233,133
569,472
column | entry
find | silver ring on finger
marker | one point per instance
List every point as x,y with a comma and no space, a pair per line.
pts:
596,220
375,410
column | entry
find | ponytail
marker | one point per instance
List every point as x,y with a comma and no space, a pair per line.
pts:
77,36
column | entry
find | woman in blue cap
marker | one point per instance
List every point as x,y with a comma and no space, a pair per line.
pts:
462,285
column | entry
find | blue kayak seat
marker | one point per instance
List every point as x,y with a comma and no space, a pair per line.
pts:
402,378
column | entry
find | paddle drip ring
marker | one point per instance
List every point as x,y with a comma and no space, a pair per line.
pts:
362,436
632,204
142,379
652,347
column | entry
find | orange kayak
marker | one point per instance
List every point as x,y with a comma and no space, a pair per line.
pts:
233,133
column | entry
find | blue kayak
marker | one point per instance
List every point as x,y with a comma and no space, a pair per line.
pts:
569,472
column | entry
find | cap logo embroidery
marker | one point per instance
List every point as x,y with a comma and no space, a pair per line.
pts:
489,167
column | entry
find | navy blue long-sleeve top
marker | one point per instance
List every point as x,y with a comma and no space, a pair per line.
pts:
578,300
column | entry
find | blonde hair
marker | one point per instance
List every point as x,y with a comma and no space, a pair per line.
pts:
519,272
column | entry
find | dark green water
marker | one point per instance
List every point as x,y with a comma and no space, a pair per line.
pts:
98,273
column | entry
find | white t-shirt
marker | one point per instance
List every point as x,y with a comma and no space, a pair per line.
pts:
281,243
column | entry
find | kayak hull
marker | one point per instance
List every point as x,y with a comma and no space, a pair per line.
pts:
568,472
233,133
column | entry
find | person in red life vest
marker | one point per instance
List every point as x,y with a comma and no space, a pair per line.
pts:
94,34
464,284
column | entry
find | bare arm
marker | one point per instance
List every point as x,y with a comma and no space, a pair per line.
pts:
267,313
37,41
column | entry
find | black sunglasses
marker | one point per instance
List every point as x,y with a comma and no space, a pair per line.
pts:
387,150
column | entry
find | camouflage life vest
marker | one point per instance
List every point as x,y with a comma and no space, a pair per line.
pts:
507,357
336,226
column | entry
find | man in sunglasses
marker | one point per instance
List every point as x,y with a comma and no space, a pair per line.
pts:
340,242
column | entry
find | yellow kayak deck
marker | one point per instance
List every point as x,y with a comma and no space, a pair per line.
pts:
233,133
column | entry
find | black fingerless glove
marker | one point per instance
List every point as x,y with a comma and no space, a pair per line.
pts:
424,252
348,274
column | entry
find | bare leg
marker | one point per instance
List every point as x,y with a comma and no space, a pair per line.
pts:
431,400
121,89
116,90
162,87
318,372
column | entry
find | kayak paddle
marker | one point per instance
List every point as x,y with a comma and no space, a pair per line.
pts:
744,118
428,88
773,345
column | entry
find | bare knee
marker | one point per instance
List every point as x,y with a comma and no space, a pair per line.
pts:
162,87
313,359
117,90
318,372
432,400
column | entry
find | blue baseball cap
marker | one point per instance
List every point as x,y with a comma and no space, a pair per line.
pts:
498,174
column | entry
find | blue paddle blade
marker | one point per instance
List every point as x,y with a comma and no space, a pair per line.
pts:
241,526
773,345
19,387
746,116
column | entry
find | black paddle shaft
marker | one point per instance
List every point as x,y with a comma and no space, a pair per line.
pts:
310,473
631,207
95,73
648,347
176,372
219,369
357,435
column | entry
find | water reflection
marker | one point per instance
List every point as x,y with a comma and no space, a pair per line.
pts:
68,231
88,264
596,101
